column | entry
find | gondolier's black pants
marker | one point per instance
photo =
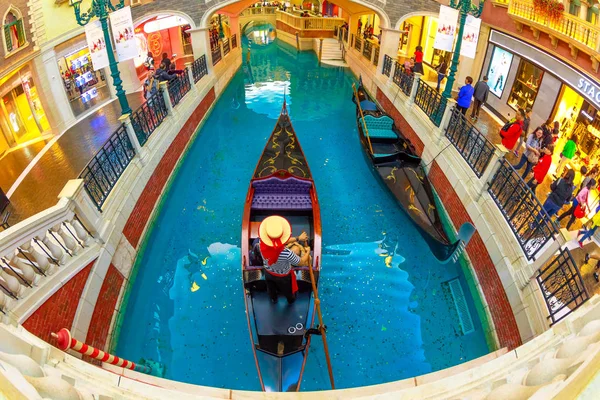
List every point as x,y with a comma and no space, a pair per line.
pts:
283,285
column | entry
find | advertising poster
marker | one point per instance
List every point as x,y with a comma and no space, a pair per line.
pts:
470,37
123,35
498,70
96,44
444,37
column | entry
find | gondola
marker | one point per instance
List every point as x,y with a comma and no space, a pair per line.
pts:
396,163
282,185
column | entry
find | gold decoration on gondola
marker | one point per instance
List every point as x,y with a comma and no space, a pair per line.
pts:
415,209
274,141
271,169
419,177
391,176
272,159
293,168
430,209
411,193
293,159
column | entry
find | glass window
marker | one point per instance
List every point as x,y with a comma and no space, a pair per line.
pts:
574,8
14,33
498,70
592,15
526,86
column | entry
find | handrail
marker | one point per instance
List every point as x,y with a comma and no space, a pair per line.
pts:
362,117
322,329
309,23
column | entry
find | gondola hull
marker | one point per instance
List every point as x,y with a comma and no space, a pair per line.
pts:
277,330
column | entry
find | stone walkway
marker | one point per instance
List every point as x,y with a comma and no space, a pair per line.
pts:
63,161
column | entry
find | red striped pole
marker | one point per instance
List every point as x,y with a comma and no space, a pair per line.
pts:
66,342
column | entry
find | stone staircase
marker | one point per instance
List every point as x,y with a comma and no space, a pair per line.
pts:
331,52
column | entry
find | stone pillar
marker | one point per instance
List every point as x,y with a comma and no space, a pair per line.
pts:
139,150
201,46
389,45
164,88
52,91
188,70
131,82
352,27
234,24
499,153
413,91
450,103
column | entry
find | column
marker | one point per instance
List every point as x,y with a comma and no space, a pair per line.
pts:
131,82
352,27
234,24
201,46
52,91
389,45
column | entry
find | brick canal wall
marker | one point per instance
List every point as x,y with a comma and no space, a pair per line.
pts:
491,285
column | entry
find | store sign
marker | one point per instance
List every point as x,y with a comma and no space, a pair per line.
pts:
590,89
96,44
123,34
444,37
470,37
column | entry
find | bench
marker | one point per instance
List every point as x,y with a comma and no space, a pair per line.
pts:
380,127
281,194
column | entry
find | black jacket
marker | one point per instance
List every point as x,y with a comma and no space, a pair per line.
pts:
163,76
562,192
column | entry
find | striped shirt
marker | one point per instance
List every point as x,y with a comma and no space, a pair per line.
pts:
284,263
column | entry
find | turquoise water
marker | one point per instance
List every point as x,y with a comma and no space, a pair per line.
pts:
387,313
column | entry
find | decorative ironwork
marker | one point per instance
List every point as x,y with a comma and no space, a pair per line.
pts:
387,65
148,117
234,41
368,50
345,35
528,221
562,286
403,79
431,102
216,55
357,43
178,88
103,171
226,47
474,147
199,68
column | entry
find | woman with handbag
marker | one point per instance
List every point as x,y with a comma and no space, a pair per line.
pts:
579,206
532,152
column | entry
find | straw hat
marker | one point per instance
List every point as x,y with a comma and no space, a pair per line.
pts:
274,229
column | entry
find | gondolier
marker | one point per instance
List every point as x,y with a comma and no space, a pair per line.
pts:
274,233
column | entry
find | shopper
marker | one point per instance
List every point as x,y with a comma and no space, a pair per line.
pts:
174,71
581,202
526,122
592,174
589,232
480,96
567,154
511,131
418,67
540,170
149,63
165,60
532,152
441,69
548,132
561,194
150,85
162,75
465,94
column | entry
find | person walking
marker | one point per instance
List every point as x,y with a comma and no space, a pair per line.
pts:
581,202
465,94
540,170
561,194
589,232
566,155
526,122
511,132
418,67
441,69
149,62
480,95
532,152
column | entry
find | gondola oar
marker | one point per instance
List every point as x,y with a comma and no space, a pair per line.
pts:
321,328
362,116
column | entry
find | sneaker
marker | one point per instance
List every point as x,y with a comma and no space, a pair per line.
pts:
587,258
580,244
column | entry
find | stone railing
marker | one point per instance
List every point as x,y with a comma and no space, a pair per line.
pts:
573,30
258,11
308,26
368,48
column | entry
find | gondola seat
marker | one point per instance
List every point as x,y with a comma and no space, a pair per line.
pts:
380,127
367,105
281,194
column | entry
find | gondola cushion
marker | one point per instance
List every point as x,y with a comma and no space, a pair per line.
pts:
281,194
380,127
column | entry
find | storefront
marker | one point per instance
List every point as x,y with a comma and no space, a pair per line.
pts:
521,76
85,87
22,117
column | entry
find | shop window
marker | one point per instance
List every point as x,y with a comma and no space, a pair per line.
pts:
592,15
14,31
575,7
526,86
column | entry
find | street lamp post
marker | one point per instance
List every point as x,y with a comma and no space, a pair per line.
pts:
100,9
464,8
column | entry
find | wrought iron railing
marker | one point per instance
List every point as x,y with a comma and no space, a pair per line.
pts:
226,47
368,50
357,43
528,221
216,55
403,79
148,117
345,34
199,68
474,147
376,56
234,41
103,171
562,286
178,88
430,101
387,65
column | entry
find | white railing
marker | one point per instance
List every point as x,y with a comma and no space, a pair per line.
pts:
309,23
258,11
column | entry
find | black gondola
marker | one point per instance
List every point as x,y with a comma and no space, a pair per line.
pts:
396,162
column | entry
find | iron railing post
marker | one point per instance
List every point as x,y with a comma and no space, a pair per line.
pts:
190,73
125,119
164,89
450,103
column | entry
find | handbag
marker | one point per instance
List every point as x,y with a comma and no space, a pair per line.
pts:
533,158
579,212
